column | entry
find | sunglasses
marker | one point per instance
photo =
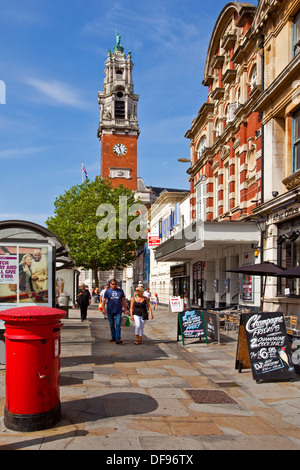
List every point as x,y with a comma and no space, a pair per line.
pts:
113,283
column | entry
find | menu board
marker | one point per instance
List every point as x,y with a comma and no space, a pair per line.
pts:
268,346
191,325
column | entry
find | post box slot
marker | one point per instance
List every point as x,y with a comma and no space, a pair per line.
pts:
55,330
43,341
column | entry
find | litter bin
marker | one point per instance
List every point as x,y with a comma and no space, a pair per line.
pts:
63,302
32,340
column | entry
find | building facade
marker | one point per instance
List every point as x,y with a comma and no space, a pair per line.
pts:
245,158
166,218
278,25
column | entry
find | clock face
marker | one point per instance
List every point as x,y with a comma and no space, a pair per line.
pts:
120,150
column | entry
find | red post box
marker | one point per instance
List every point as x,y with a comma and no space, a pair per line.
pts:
32,342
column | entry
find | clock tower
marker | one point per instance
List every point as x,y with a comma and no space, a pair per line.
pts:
118,128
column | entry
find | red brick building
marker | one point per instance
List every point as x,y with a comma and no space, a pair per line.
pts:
226,140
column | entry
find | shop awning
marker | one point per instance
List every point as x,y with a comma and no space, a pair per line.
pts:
206,237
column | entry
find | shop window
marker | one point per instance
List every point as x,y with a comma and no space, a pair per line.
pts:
289,256
296,38
296,141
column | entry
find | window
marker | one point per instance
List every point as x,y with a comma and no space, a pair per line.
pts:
296,38
216,196
230,111
202,146
201,201
218,128
296,141
253,80
227,190
237,180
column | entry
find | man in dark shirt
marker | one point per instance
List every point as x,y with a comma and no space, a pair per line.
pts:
115,299
83,299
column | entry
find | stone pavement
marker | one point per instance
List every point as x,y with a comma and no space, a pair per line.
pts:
159,395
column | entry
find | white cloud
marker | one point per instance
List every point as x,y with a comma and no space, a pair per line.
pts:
21,152
56,92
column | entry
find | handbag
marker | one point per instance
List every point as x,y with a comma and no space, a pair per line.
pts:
125,320
145,315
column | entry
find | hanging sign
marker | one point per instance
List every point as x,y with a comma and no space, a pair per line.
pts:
263,345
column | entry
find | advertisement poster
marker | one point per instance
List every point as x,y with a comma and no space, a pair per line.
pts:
24,274
247,288
268,345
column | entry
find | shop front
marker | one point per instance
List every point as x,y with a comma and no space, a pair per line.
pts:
205,253
181,282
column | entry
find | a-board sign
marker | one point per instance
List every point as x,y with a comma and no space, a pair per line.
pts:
191,324
263,345
211,324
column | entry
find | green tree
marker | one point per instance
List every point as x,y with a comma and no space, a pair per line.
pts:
101,225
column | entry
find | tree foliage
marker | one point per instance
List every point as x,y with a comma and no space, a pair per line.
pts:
75,221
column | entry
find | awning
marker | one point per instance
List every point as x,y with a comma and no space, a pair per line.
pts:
206,237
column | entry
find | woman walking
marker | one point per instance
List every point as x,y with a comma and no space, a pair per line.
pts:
139,308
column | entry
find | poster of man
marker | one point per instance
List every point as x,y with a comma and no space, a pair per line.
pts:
23,274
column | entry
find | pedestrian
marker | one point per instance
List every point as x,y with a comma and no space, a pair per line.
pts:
147,294
84,300
155,301
101,301
139,308
115,299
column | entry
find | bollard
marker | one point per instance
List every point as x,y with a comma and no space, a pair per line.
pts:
32,342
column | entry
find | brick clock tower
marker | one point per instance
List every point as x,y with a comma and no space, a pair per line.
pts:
118,128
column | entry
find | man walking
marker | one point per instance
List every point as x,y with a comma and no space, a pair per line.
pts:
84,300
115,299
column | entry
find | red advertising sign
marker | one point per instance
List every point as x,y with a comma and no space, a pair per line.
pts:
153,240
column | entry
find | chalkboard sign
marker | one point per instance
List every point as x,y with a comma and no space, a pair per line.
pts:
211,324
269,353
191,325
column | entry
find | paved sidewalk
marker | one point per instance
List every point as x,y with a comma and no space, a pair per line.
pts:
159,395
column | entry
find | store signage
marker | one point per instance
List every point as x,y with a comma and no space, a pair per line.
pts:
165,225
153,240
263,345
285,214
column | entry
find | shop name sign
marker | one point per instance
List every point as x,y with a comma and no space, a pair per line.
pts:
286,214
165,225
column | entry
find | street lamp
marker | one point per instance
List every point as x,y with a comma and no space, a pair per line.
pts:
184,160
261,223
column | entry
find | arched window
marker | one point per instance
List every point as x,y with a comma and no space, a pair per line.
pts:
202,145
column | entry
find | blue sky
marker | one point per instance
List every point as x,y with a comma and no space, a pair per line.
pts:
52,56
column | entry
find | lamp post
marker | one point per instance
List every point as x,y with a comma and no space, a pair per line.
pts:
261,223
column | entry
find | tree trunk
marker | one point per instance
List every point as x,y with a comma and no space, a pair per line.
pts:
95,269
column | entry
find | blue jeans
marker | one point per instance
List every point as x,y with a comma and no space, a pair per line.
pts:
114,320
